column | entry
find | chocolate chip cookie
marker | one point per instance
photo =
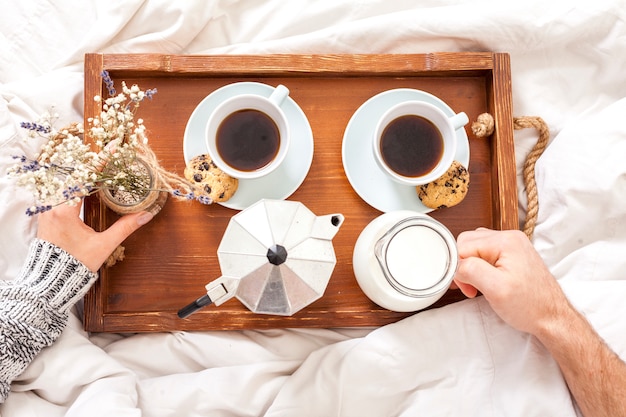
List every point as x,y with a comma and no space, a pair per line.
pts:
448,190
204,173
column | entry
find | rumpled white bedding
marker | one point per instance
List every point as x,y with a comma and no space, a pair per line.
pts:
568,66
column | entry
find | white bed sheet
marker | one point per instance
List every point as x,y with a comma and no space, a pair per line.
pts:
568,62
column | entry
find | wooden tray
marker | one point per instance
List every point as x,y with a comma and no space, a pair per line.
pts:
169,261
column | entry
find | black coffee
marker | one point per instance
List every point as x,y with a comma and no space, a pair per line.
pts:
411,146
247,140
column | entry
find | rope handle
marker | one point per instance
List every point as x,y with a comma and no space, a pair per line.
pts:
485,126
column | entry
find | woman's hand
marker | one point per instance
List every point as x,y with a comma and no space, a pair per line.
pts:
63,227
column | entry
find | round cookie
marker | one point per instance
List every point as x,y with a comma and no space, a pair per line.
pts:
446,191
202,172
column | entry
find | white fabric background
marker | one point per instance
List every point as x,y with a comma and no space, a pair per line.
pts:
568,60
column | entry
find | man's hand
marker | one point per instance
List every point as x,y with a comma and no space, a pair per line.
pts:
506,269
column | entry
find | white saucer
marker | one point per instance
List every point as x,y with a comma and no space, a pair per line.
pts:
366,178
277,185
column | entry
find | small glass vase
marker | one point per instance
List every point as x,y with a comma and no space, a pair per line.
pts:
125,202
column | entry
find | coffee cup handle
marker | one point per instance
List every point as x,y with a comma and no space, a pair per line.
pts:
279,95
459,120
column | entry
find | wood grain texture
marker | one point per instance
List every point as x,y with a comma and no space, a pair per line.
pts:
169,261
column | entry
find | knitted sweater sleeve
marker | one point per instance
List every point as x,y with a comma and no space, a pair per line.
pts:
34,307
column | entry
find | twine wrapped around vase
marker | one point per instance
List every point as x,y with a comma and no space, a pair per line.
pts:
170,181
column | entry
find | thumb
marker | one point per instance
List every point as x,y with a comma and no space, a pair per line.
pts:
473,275
125,226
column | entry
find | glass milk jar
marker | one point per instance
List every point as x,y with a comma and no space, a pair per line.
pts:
404,260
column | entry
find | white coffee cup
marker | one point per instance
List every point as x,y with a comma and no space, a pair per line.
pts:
240,134
415,142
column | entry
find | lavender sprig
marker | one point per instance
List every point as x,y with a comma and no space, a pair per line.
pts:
72,192
32,165
108,82
35,127
31,211
202,199
151,92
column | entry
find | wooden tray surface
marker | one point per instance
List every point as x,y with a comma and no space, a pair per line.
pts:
168,262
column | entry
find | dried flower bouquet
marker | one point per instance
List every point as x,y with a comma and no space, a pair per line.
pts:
66,169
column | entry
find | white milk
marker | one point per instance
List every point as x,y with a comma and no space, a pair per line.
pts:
417,257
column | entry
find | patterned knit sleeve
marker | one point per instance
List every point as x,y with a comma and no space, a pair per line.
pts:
34,307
